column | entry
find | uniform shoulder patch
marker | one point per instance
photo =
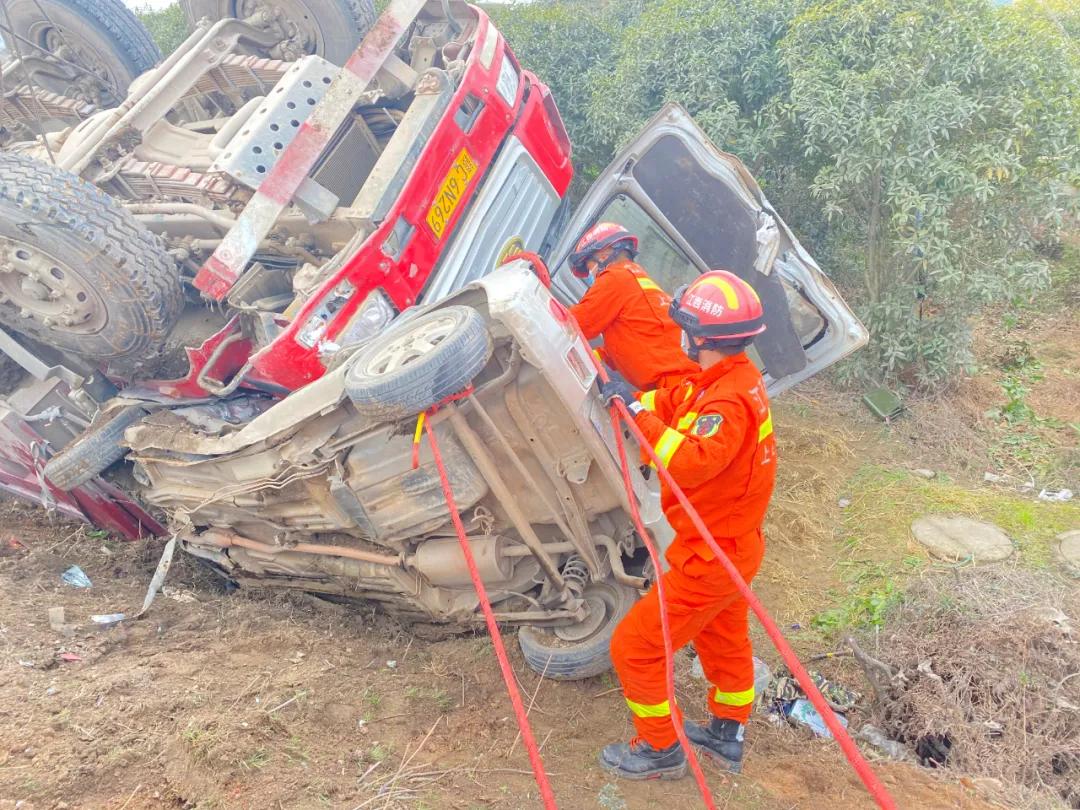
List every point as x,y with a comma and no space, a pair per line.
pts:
707,425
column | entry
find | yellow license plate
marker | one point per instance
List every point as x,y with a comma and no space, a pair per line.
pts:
450,193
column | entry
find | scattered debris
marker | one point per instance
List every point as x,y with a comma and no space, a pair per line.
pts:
1056,495
56,619
993,478
108,619
69,657
75,577
803,713
178,595
391,664
923,473
957,538
844,503
160,573
609,797
877,738
884,404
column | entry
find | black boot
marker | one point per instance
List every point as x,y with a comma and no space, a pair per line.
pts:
719,740
639,760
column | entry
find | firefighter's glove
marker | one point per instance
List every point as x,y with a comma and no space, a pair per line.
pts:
622,390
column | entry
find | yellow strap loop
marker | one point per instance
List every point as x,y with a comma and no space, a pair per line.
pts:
669,442
743,698
765,431
644,710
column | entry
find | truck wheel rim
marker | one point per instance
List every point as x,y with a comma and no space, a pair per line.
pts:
73,48
303,35
417,342
40,289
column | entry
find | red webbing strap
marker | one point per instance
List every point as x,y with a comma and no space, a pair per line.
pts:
847,745
669,654
527,737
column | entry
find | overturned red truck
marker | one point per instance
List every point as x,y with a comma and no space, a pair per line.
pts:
226,299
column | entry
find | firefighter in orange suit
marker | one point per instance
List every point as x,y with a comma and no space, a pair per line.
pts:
629,309
714,434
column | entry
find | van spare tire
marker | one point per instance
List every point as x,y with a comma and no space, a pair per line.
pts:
411,369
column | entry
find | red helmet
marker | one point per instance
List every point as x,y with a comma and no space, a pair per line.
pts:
718,309
598,237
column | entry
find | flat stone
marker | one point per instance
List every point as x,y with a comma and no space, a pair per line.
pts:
1068,550
958,538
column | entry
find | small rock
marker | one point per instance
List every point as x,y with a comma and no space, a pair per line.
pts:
927,474
961,538
844,503
1068,550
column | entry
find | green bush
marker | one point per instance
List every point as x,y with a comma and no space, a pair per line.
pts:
168,26
924,149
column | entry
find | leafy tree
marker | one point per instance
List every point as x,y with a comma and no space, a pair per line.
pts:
167,26
942,138
569,44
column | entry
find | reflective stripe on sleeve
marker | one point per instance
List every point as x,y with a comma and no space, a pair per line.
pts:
687,422
743,698
648,400
645,710
765,431
670,441
648,284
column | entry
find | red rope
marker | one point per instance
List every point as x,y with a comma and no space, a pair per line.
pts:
669,654
847,745
546,794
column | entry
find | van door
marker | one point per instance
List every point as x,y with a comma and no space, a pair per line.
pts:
695,208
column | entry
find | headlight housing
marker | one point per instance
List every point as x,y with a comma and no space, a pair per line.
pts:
373,316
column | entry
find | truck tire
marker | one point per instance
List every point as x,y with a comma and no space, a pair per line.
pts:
78,272
93,452
334,26
106,37
413,368
561,660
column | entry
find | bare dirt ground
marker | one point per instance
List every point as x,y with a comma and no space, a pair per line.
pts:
248,700
244,700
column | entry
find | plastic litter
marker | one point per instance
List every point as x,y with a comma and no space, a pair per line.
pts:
803,713
108,619
75,577
69,657
1056,495
876,737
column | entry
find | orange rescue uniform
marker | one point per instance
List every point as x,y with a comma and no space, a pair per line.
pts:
714,434
641,341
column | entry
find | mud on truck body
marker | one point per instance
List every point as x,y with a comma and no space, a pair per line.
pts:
228,298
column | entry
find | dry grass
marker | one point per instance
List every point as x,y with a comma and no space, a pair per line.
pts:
986,680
